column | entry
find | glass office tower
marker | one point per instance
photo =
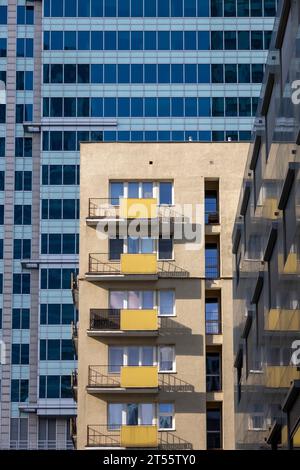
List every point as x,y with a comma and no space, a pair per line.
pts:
80,70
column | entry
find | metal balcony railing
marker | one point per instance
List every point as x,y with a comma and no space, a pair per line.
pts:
109,376
99,264
103,435
109,208
102,319
105,319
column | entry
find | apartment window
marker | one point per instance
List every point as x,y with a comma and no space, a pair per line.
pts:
56,243
165,248
22,249
166,358
166,416
211,206
56,175
214,428
19,433
212,316
55,278
20,354
21,283
22,215
131,414
165,300
211,260
55,386
24,47
47,433
213,372
19,390
23,180
23,147
57,314
25,15
67,209
256,8
24,80
20,318
257,417
23,113
3,47
115,248
3,15
56,350
256,40
0,329
166,303
130,356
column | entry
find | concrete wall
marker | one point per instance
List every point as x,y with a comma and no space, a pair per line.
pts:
188,164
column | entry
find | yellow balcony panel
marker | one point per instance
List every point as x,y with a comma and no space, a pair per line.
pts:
291,264
139,436
134,208
296,438
139,320
283,320
270,208
139,377
139,263
281,376
284,436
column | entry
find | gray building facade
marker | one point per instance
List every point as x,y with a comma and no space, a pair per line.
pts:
266,251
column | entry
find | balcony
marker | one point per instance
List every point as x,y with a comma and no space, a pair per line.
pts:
133,379
141,436
127,209
123,322
109,379
281,376
118,322
132,267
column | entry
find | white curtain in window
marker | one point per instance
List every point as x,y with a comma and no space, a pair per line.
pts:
134,301
117,299
166,357
146,413
115,415
166,302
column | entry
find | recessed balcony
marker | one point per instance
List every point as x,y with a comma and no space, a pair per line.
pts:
143,266
139,436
